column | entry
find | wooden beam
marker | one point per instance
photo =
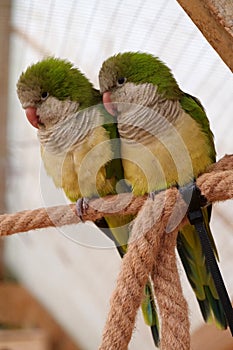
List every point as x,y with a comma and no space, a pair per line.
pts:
214,19
19,309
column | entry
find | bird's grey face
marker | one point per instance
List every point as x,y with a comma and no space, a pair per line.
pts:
121,93
31,98
42,109
124,96
52,111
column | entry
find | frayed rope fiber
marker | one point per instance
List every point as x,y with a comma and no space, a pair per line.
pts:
151,251
171,303
216,185
143,257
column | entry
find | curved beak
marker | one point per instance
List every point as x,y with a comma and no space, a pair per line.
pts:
32,116
108,104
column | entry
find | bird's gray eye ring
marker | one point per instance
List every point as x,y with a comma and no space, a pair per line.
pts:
121,81
44,95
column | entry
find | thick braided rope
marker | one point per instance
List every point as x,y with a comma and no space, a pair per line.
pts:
146,241
147,233
39,218
154,251
171,302
61,215
215,185
167,287
144,246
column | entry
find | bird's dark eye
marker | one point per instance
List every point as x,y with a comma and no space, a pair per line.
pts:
121,81
44,95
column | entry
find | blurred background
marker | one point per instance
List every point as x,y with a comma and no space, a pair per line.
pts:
72,271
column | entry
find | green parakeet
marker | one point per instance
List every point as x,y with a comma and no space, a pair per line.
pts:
165,140
57,98
79,140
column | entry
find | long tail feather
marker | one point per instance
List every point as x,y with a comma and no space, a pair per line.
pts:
193,260
149,311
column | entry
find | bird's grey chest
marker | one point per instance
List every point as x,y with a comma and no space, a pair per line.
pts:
145,114
68,128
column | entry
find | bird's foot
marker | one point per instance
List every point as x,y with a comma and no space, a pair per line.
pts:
152,194
82,205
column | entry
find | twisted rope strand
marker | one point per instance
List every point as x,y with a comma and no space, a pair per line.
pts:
217,182
34,219
167,287
122,204
171,302
158,258
149,245
147,233
218,187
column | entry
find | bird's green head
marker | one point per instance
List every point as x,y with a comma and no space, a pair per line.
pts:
138,68
58,79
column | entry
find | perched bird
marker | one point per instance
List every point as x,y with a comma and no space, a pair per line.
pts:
165,141
79,142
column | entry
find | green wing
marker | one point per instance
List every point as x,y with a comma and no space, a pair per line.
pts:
193,260
188,243
194,108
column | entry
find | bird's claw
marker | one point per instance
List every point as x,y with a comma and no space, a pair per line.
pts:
82,205
152,195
